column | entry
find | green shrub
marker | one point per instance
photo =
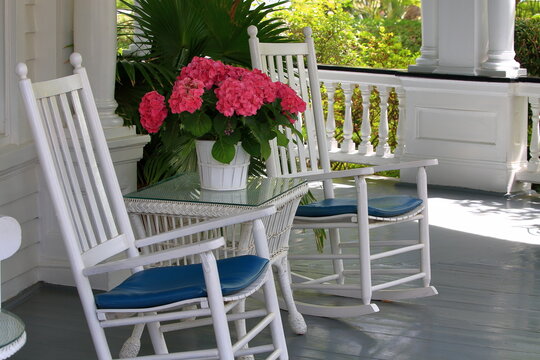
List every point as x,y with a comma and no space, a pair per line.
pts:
528,9
527,44
334,30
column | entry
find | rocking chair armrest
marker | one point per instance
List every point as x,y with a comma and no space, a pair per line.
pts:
406,165
155,257
339,174
206,225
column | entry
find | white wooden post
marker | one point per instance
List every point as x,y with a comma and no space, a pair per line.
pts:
347,145
500,56
94,32
365,147
534,163
428,60
330,119
383,149
400,148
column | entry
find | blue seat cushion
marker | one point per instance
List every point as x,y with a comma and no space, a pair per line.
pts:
386,206
168,284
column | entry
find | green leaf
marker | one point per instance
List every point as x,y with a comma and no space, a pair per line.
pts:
251,145
198,123
265,150
231,139
282,139
223,152
223,123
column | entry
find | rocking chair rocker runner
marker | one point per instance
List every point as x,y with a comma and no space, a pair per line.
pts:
95,226
295,64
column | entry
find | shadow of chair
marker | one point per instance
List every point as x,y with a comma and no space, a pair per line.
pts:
354,274
98,237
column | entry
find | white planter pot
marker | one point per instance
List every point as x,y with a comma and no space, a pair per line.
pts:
215,175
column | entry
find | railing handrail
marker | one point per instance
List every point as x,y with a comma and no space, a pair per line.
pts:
324,68
386,78
531,89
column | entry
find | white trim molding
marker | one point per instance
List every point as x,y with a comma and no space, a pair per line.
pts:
9,131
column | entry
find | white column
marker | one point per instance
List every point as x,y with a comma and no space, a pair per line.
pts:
428,60
94,28
500,61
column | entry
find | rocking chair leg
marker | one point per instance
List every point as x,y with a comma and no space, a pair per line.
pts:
363,236
158,341
99,339
336,250
241,327
423,224
276,327
426,257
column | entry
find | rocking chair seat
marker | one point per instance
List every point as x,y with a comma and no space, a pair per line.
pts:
164,285
386,206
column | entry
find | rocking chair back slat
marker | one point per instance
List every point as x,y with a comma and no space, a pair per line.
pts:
82,179
103,156
77,182
92,173
288,63
85,176
61,168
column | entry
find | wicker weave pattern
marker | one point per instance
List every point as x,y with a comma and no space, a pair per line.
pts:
157,216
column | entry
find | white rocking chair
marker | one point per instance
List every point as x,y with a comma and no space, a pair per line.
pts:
295,64
95,226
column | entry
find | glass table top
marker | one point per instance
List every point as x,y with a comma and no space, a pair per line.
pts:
11,328
186,187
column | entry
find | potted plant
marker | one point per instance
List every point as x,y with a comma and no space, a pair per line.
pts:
239,110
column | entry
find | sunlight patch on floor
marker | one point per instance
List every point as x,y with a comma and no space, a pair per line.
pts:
484,218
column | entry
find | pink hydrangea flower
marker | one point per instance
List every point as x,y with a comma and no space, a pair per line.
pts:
290,101
235,72
209,71
237,97
186,96
261,83
153,111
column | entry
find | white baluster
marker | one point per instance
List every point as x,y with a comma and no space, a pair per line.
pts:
365,147
347,145
534,162
400,148
383,149
330,119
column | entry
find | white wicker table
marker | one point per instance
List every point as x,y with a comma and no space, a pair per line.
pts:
179,201
12,334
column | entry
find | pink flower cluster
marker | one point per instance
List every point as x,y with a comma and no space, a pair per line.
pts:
153,111
245,95
186,95
239,92
208,71
290,102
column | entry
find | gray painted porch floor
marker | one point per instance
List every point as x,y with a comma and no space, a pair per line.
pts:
485,264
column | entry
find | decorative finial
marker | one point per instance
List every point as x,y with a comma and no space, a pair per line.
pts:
21,70
252,31
76,60
307,31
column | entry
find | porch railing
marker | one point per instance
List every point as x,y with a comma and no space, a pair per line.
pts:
362,91
358,136
531,174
